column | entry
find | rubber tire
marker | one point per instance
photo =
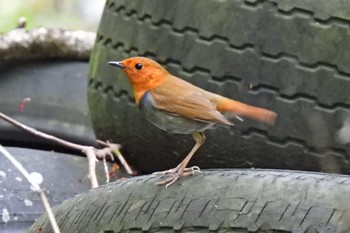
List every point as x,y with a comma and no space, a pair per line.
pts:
215,201
58,102
64,176
288,56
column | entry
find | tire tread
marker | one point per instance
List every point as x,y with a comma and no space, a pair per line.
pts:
136,205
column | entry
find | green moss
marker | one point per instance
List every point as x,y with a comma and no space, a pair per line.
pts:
94,61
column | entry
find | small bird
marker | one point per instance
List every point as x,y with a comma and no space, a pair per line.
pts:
177,106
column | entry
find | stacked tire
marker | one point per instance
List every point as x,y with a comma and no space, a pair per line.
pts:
58,103
287,56
215,201
58,106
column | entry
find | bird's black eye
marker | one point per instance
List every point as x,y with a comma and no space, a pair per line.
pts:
138,66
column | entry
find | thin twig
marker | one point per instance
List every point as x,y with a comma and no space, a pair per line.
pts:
91,152
123,162
36,187
42,135
92,166
106,169
116,151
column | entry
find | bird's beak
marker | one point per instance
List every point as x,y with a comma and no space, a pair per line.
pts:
118,64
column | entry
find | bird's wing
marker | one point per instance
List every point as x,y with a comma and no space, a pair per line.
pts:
178,97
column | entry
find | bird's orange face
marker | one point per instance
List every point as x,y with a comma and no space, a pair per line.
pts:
143,73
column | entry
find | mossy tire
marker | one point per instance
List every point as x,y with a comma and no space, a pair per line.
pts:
288,56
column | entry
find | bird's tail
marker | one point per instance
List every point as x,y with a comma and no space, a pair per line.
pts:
244,110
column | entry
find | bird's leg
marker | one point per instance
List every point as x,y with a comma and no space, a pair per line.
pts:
181,169
199,138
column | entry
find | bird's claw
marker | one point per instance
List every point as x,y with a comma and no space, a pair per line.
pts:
195,169
166,172
169,181
176,174
176,170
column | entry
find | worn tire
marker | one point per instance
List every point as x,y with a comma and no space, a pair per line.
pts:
58,102
215,201
64,176
288,56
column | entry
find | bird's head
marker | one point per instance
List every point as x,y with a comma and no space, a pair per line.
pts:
143,73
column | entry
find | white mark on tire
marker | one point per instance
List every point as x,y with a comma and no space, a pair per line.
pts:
28,202
36,177
343,134
5,215
2,176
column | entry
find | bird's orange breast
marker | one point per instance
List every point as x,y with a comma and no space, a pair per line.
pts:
143,82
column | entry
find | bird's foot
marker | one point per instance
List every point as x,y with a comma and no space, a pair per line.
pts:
176,174
175,170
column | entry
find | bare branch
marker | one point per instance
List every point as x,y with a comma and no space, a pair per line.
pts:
105,166
115,149
43,135
91,152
